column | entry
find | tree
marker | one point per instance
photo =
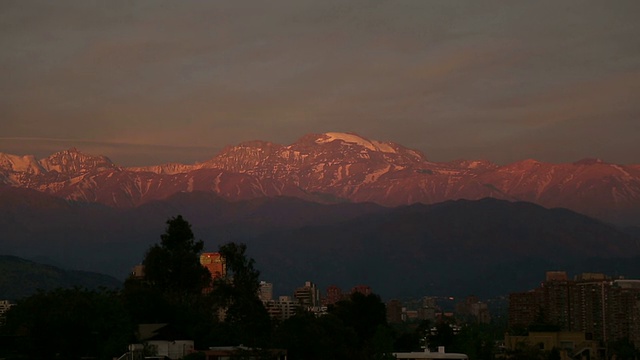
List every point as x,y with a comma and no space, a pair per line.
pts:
623,349
172,288
443,336
246,320
477,341
366,315
173,266
306,336
70,323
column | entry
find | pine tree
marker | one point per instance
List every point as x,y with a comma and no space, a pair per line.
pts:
173,266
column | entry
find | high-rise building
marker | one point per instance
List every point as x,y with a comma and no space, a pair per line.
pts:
602,308
283,308
266,291
394,311
214,262
308,295
428,308
524,308
472,309
556,276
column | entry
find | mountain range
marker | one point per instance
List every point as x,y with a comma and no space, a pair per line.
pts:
334,167
485,247
333,208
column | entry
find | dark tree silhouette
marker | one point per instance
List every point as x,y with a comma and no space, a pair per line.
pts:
309,337
246,320
70,324
172,288
366,315
173,266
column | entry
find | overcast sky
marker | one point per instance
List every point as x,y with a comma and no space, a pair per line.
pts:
147,82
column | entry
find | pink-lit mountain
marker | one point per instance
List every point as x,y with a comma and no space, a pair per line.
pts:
335,167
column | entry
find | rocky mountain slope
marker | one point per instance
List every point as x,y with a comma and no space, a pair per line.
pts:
335,167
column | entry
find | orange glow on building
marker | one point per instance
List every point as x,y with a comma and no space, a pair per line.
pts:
214,262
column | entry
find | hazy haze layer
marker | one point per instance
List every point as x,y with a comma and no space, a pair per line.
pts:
152,81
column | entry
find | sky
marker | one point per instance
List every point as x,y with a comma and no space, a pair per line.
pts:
149,82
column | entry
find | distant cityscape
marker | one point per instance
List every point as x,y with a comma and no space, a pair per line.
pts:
578,316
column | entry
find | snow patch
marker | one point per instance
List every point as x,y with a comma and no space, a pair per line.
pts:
623,171
371,177
355,139
190,185
20,163
386,148
474,164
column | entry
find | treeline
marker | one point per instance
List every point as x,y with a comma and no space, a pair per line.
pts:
79,323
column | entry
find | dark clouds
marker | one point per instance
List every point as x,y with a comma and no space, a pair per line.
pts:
555,81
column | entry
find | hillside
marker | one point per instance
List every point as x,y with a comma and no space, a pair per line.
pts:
20,278
488,246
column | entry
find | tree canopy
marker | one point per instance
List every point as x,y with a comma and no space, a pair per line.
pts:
246,320
69,324
174,265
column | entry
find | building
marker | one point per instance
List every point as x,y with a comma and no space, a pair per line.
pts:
594,304
571,345
308,295
214,262
266,291
283,308
394,311
473,310
429,308
524,308
164,340
5,305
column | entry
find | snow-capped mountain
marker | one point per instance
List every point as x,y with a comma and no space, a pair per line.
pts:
27,171
335,167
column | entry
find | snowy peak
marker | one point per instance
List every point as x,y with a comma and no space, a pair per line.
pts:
351,138
73,162
17,163
473,164
244,157
168,168
335,165
15,168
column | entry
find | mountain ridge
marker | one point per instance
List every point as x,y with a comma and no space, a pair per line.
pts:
20,277
488,247
331,166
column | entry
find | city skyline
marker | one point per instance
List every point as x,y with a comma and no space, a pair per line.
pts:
151,82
